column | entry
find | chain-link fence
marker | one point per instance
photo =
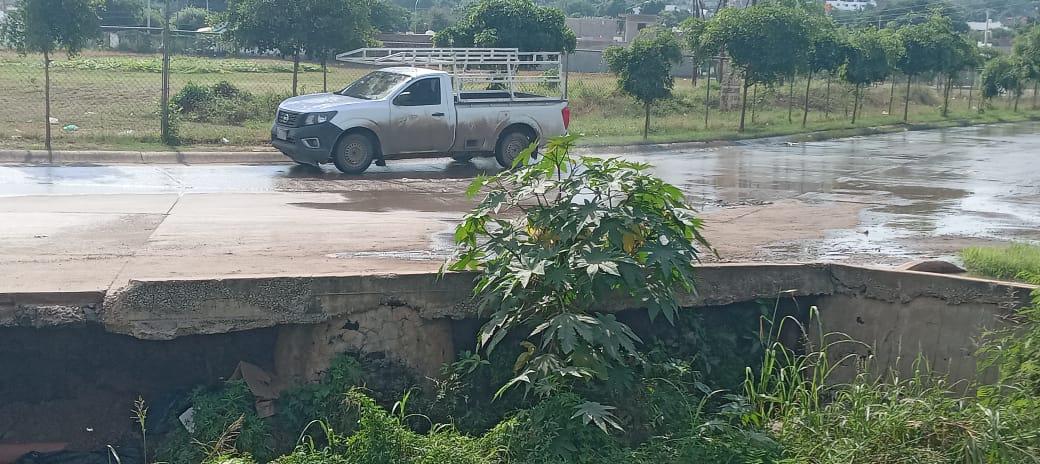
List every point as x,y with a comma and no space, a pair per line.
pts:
109,96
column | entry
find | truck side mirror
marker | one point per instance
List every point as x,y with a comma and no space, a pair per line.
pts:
403,98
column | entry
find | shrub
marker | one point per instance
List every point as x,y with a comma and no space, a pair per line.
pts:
225,422
192,97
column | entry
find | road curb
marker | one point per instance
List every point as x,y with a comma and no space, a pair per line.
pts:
141,157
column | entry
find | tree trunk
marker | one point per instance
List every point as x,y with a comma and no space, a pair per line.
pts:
906,101
707,96
694,75
827,103
295,71
971,89
743,106
1035,85
805,112
1017,96
754,102
790,101
891,96
855,104
47,100
946,95
324,73
646,121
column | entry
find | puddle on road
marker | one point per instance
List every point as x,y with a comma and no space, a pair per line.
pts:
379,201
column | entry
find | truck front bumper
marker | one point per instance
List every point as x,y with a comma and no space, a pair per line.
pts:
308,144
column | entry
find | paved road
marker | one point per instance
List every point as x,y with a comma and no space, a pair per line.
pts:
882,199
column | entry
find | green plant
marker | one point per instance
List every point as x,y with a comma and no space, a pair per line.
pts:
558,242
190,18
225,422
140,416
644,70
325,401
192,97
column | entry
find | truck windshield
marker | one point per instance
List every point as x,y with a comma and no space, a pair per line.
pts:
374,85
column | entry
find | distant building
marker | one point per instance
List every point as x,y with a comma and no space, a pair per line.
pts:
981,26
635,23
849,5
596,33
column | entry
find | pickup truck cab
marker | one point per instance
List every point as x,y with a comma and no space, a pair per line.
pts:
410,112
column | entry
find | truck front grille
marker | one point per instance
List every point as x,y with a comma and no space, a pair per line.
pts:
286,118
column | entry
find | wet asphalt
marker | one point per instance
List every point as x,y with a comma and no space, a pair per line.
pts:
915,188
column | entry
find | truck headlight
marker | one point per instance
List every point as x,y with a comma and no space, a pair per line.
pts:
318,118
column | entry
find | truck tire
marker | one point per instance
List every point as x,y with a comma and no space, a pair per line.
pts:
510,145
354,153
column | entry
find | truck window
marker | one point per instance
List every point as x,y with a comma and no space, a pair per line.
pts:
423,92
374,85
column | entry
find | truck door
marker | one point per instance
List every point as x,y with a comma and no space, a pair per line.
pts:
421,118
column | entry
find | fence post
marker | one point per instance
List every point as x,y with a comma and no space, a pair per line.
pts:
566,72
164,129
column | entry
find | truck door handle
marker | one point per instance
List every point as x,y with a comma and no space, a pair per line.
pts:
438,114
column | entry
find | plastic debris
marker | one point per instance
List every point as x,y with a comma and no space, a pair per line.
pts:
70,128
224,140
53,120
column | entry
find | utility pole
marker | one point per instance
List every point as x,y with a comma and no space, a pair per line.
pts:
985,35
147,15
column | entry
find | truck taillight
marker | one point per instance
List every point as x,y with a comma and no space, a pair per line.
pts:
566,117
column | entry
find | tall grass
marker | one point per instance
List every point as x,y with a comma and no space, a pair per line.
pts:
881,419
1017,261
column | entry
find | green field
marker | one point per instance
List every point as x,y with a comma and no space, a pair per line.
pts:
114,101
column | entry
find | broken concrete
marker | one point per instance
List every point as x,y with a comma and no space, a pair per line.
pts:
409,316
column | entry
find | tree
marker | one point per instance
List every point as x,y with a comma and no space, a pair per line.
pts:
959,54
556,243
827,53
46,27
578,8
190,19
1027,47
1004,75
388,17
613,8
293,27
510,23
692,30
337,25
866,62
644,69
122,12
766,41
924,46
652,7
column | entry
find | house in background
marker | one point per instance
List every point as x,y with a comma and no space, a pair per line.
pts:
849,5
635,23
596,33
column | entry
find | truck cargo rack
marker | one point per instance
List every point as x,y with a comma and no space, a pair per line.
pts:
516,75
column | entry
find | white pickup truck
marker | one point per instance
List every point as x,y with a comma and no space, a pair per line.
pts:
411,112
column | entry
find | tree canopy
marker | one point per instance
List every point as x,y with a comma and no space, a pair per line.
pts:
644,69
46,26
510,23
767,41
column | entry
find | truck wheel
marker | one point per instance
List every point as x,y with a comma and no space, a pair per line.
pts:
354,154
462,158
510,145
